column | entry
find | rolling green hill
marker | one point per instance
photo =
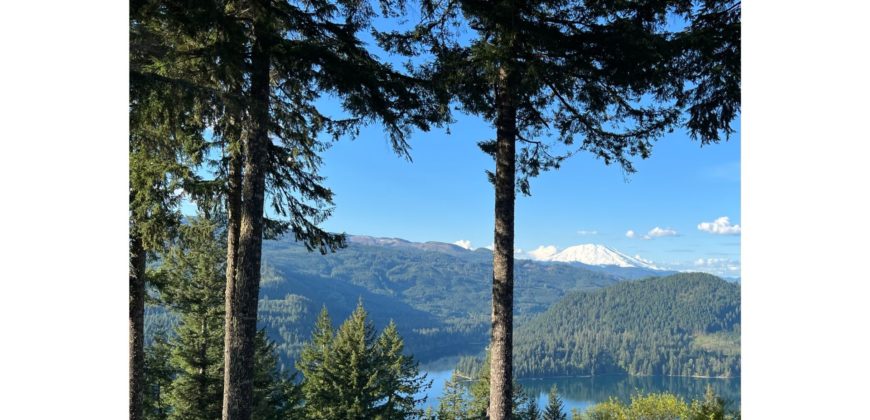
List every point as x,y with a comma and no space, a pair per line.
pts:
685,324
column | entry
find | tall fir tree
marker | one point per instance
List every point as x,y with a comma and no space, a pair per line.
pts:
295,56
554,406
168,115
560,76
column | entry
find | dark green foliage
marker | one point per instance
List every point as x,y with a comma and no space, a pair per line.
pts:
351,373
158,378
647,327
185,373
554,406
192,285
532,410
276,396
608,77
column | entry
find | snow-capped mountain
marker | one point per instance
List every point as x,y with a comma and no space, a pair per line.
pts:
595,254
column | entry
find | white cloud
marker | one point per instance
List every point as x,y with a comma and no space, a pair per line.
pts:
463,243
490,246
709,262
629,234
717,266
720,226
587,232
542,252
658,232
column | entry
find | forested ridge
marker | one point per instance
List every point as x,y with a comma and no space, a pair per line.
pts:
684,324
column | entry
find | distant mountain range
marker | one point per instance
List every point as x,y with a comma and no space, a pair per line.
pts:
439,294
595,257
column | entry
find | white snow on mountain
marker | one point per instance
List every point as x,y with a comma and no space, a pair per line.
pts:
595,254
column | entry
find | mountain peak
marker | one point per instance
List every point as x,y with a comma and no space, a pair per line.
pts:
597,254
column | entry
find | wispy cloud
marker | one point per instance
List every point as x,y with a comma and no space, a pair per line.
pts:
658,232
542,252
630,234
723,267
720,226
463,243
587,232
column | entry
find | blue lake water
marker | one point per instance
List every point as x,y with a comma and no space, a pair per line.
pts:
582,392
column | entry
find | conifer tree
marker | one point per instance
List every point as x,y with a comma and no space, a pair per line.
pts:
193,288
168,115
295,56
401,377
158,376
192,285
351,373
452,404
712,407
276,396
554,406
560,76
532,411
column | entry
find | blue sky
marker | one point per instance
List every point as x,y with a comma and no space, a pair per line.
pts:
444,196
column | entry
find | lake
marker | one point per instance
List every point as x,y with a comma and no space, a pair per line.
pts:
583,392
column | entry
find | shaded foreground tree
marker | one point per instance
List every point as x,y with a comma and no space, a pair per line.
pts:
167,119
252,70
562,76
296,55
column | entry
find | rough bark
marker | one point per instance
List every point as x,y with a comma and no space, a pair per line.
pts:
137,327
501,345
234,203
241,311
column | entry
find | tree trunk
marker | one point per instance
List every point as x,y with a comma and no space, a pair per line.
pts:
137,327
501,346
234,203
241,311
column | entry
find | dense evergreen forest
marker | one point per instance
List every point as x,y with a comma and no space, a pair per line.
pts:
683,324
